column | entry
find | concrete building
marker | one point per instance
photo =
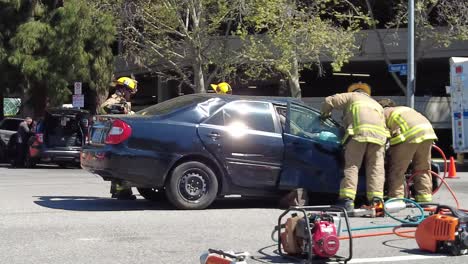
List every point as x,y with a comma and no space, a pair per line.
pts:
368,65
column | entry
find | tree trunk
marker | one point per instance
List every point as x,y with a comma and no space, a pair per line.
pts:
198,74
293,79
2,113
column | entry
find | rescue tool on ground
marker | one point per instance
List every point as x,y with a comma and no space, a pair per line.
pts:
214,256
445,231
312,231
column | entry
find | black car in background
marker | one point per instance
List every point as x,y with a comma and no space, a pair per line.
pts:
59,137
8,130
196,148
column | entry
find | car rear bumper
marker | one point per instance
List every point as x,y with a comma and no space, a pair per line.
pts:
43,154
120,163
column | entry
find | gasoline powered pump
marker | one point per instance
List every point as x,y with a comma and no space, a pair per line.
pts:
445,231
312,232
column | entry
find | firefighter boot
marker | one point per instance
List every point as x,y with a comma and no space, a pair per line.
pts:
347,204
125,194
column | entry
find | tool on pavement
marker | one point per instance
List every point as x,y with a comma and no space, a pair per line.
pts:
312,232
214,256
444,231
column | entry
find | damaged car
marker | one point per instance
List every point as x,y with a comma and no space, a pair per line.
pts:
195,148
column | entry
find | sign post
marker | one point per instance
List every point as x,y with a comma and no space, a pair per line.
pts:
78,97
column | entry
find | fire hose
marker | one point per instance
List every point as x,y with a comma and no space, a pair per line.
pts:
413,221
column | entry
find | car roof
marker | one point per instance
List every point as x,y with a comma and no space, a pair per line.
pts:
13,118
271,99
66,111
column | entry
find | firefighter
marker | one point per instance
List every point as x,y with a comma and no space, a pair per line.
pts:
119,103
365,138
222,88
411,139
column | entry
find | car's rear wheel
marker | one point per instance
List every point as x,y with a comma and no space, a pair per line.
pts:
29,162
152,194
193,185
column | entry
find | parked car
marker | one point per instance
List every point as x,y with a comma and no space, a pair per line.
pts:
195,148
8,128
59,137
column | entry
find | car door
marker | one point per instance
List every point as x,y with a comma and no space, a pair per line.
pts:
246,138
8,127
312,151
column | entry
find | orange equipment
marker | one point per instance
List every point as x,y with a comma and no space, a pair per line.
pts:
452,170
214,256
446,230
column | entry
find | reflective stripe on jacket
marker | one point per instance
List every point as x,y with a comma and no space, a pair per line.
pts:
407,125
363,117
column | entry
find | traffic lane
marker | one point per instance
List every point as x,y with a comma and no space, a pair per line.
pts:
142,231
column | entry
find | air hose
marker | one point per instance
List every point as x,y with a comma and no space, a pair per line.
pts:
415,220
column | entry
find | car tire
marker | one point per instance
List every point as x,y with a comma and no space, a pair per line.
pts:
3,151
29,162
192,186
152,194
63,164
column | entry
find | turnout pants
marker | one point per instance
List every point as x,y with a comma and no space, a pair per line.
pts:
400,157
373,155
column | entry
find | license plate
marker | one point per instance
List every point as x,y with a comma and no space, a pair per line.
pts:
97,136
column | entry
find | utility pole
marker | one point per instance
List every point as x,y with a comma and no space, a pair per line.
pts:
410,60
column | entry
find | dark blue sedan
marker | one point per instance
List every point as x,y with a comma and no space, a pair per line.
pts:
196,148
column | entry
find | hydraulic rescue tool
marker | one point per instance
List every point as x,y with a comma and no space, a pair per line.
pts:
214,256
444,231
312,232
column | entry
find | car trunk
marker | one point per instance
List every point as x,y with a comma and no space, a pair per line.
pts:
64,130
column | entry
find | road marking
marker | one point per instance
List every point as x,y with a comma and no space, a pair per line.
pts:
394,258
89,239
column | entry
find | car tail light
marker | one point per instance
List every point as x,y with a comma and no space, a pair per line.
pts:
40,138
119,132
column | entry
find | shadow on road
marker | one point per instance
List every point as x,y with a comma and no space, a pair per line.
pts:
39,166
91,203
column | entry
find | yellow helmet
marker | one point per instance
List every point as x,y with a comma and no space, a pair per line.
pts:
222,88
127,82
360,86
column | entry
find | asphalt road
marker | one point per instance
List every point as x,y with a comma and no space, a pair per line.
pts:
51,215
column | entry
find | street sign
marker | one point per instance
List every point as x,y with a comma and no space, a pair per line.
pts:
402,68
78,100
77,87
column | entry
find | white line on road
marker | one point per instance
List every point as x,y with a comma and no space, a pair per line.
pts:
394,258
89,239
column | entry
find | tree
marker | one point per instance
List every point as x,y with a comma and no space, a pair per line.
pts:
57,43
285,36
186,39
437,24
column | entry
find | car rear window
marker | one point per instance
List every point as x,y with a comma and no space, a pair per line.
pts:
170,105
10,124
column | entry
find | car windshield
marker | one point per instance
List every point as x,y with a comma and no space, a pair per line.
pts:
306,123
172,105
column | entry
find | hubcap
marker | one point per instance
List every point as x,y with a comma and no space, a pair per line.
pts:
193,185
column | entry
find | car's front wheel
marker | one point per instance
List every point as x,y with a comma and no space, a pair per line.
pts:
193,185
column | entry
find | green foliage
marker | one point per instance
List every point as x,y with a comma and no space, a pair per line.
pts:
437,22
54,46
186,38
280,33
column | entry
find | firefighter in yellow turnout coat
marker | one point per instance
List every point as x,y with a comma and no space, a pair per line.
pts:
412,139
365,138
119,103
